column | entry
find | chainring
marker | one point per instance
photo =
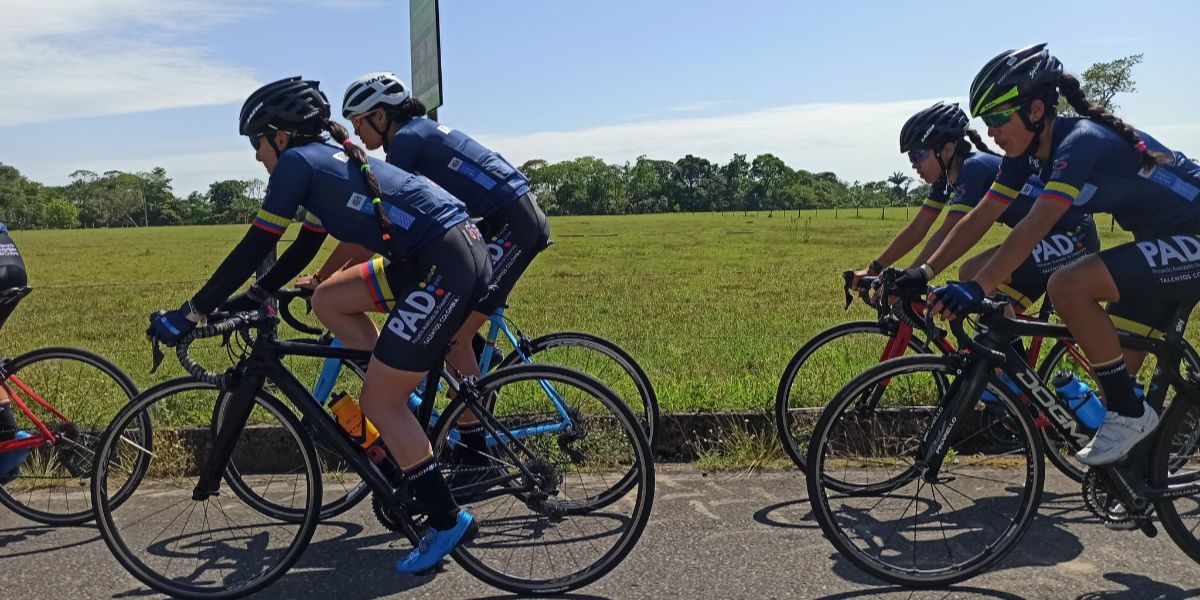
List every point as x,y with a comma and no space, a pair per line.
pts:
1102,503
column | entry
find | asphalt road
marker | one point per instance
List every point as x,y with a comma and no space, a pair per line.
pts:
714,536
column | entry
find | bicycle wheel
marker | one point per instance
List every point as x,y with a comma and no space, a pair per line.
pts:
896,524
605,361
50,485
215,547
818,369
1175,463
341,488
1058,451
575,518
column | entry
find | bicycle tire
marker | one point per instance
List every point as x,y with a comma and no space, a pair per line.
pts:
21,502
138,568
1013,528
642,472
797,449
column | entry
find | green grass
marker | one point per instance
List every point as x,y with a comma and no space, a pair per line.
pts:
712,305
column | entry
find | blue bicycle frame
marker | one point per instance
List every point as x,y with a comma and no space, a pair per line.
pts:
333,366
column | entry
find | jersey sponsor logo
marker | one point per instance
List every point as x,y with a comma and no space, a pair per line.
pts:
357,201
1179,249
1031,190
444,129
961,190
416,308
1054,245
341,157
455,164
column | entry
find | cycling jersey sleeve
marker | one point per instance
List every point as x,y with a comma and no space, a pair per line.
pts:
973,182
1073,164
1009,180
235,269
403,149
936,200
293,260
285,191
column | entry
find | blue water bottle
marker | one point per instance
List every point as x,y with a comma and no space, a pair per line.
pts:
1079,396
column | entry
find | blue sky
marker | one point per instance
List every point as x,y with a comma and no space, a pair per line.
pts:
130,84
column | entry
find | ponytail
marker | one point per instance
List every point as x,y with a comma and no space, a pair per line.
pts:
359,156
977,141
407,111
1070,89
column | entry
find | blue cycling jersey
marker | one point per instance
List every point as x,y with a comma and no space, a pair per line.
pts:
482,179
1095,170
324,181
3,229
975,176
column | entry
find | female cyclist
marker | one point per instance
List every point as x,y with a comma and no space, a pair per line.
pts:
385,114
936,140
435,271
12,275
1099,164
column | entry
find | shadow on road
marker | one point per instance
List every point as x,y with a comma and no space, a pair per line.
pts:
24,541
950,593
1139,587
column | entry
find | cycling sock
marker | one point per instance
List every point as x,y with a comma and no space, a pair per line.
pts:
473,437
1118,388
430,487
8,424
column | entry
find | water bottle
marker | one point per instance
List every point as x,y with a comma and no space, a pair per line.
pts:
1080,398
349,415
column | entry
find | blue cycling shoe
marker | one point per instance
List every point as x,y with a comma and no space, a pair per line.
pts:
10,462
436,544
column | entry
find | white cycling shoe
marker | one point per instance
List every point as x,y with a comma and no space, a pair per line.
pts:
1117,436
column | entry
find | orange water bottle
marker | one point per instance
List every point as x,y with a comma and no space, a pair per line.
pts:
349,415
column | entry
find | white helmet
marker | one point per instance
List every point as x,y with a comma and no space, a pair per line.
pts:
372,91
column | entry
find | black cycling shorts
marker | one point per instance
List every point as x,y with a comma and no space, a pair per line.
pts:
1055,251
428,297
12,273
515,234
1153,276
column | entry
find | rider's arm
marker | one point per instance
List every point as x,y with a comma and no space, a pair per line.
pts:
285,190
1021,242
294,259
965,233
912,234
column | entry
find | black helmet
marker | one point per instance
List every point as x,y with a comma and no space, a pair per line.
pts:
1014,76
933,126
290,104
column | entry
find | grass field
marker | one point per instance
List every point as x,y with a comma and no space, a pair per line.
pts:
712,305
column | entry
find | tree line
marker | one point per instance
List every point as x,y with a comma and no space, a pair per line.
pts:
584,186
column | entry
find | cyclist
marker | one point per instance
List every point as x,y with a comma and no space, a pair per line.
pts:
1095,163
12,275
436,270
385,114
936,142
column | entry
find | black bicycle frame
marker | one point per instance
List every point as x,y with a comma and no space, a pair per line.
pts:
265,362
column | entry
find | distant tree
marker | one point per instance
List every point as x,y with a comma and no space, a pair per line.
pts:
1102,81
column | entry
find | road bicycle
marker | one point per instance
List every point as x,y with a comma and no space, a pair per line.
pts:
940,503
62,398
560,509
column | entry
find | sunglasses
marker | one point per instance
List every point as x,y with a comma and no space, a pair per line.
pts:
255,138
916,156
1000,117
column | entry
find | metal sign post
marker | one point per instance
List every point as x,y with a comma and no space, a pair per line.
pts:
426,51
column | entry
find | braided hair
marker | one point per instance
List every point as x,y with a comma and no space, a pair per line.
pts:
1072,92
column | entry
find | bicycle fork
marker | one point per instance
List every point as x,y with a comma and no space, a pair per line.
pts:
951,414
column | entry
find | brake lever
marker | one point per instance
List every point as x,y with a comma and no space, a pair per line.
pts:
847,276
156,355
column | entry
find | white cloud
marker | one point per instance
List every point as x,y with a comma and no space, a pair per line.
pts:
78,58
855,140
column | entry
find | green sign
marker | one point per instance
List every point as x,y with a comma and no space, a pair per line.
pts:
426,51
